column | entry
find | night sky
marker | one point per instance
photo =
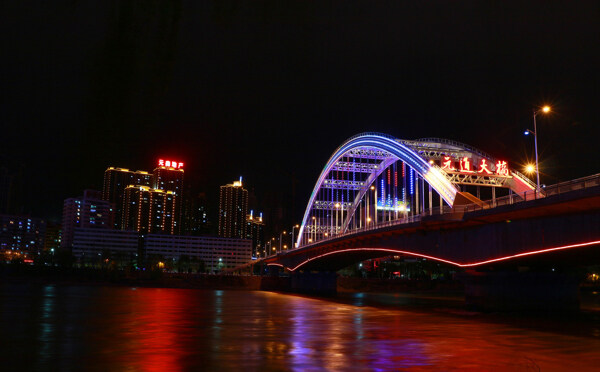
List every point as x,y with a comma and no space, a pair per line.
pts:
269,89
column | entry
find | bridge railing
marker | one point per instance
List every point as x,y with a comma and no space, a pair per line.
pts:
557,189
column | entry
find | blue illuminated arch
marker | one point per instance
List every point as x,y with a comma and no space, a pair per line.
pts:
396,151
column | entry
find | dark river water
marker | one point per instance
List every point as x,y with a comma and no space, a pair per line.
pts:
72,328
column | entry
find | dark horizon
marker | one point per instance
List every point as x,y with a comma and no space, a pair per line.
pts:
268,91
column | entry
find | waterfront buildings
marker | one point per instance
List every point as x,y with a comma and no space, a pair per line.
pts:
53,237
116,180
149,210
19,233
255,231
195,219
217,254
87,211
233,207
146,202
90,245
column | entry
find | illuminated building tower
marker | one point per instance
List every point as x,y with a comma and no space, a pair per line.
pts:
136,208
255,231
168,176
87,211
149,210
115,182
233,204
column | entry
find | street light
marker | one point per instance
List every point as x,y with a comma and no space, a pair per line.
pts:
281,241
530,168
293,242
545,110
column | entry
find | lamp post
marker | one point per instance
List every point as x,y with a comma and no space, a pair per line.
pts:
545,110
280,240
293,242
314,228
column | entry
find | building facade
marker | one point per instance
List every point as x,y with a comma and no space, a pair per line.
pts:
23,234
146,202
233,207
218,254
255,231
170,179
95,245
87,211
149,210
91,246
116,180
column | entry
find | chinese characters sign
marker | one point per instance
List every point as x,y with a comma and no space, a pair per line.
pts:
483,167
170,164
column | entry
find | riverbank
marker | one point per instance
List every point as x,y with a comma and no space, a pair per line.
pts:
159,279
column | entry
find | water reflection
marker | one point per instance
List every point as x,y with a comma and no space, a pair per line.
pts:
51,327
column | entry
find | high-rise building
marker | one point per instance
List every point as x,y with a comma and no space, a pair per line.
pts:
146,202
148,210
168,176
87,211
233,207
195,218
116,181
255,231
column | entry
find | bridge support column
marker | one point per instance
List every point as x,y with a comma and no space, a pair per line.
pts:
323,283
516,291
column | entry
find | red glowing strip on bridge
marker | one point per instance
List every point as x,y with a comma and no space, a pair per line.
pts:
447,261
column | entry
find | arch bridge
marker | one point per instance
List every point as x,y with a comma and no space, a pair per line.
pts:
374,178
380,196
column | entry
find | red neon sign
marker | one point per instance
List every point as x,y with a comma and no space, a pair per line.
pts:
465,165
501,168
483,167
170,164
447,163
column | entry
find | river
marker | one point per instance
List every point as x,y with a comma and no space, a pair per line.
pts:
47,327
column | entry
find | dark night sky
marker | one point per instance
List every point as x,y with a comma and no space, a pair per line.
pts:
268,90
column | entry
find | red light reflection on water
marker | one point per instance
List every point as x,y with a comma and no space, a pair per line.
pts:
156,336
145,335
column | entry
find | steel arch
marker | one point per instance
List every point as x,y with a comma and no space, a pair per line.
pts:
395,150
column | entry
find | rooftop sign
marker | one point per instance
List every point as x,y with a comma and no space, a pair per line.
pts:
170,164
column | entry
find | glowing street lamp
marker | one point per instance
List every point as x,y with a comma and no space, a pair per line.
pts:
294,245
545,110
530,168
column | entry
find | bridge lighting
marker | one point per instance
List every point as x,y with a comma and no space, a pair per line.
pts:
530,168
431,162
545,109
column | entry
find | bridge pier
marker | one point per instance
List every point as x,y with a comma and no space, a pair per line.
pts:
321,283
521,291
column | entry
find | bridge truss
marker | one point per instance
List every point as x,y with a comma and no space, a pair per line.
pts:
374,178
